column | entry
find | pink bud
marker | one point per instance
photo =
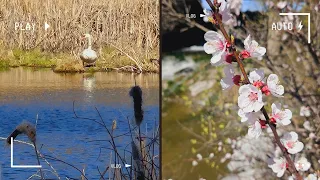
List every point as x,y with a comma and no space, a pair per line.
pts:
245,54
229,58
265,90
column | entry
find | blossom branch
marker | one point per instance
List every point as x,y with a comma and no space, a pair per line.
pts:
215,9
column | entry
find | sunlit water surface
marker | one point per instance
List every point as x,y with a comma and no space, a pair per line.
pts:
28,93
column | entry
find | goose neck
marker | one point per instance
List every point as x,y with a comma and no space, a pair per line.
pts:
89,42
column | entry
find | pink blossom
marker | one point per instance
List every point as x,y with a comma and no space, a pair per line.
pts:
291,143
250,98
215,45
252,48
279,166
280,116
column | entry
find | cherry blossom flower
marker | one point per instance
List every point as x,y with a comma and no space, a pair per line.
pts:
199,157
215,45
230,78
280,116
307,126
255,77
273,87
250,98
305,111
249,117
235,6
252,49
291,143
255,130
208,16
224,10
279,166
302,164
269,4
194,163
317,7
282,4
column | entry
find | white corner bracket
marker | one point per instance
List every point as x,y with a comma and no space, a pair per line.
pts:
20,166
300,14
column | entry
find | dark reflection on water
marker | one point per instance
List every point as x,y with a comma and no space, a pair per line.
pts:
24,93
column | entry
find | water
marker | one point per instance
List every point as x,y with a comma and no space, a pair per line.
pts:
28,93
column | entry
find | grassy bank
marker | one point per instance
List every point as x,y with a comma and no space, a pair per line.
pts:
109,59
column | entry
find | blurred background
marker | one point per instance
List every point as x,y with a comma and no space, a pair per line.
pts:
202,137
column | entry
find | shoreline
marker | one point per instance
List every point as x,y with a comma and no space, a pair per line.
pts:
110,59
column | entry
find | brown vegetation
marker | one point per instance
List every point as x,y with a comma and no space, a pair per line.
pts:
130,25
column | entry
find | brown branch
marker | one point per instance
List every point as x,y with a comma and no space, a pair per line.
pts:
292,168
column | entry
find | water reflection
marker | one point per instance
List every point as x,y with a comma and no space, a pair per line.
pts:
21,84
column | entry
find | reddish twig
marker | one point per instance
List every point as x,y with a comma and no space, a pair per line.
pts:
291,166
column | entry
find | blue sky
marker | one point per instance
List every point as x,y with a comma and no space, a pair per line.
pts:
251,5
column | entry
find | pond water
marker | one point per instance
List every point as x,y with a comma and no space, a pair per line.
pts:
26,94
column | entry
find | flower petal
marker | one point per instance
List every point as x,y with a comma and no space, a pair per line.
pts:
256,75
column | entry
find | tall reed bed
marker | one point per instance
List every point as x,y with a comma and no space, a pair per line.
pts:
129,25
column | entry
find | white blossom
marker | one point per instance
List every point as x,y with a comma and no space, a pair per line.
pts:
305,111
274,88
199,157
194,163
302,164
307,126
282,4
230,79
256,75
252,48
249,117
255,130
235,6
279,166
224,10
312,177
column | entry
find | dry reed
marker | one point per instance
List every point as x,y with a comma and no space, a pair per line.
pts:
131,25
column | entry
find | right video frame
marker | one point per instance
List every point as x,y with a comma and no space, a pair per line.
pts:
240,89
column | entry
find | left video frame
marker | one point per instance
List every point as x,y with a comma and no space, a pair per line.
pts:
79,89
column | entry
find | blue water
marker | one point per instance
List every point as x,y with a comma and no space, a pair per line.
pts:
63,136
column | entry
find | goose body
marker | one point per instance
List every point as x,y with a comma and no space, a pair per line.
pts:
88,55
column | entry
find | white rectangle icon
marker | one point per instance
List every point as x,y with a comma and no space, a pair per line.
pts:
20,166
301,14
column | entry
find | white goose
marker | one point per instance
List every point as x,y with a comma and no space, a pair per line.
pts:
88,55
